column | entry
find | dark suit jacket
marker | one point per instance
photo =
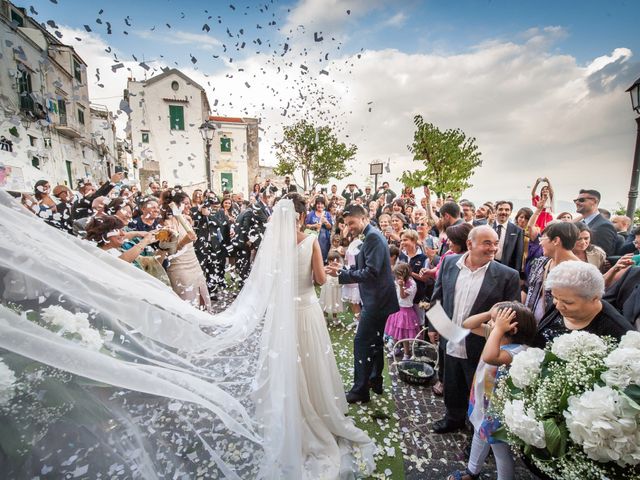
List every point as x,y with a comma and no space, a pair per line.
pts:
82,207
251,225
372,273
291,189
603,234
624,295
500,284
350,196
513,247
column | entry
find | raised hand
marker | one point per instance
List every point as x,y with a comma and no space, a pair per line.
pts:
503,319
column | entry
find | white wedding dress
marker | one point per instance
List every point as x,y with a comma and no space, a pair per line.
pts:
332,445
106,373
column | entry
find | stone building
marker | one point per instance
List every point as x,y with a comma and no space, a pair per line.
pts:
46,123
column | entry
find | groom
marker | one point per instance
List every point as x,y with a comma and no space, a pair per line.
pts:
372,272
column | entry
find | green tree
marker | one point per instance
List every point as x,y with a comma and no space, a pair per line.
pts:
314,153
449,158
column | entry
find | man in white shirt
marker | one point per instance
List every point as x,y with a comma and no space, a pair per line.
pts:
469,284
510,237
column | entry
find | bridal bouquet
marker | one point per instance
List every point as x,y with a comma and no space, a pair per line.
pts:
573,409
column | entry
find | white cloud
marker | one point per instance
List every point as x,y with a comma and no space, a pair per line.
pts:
397,20
179,37
328,15
534,112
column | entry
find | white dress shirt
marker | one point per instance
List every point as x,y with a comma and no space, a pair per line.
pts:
467,288
503,235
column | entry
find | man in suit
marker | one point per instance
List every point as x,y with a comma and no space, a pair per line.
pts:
386,192
367,197
269,188
624,295
469,284
603,233
288,188
351,193
449,216
372,273
510,237
82,207
468,211
251,225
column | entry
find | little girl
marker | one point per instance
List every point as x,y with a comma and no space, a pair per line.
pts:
513,330
351,291
336,245
404,323
331,293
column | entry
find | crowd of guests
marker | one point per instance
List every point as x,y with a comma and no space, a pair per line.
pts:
488,266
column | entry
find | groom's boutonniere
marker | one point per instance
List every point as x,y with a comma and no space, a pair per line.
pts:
361,237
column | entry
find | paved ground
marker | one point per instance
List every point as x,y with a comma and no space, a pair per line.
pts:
427,455
430,455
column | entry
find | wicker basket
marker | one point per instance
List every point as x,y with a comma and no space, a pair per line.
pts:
422,368
415,372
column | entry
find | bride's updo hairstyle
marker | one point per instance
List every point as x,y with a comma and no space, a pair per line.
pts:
299,203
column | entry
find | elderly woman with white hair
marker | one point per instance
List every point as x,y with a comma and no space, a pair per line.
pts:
577,289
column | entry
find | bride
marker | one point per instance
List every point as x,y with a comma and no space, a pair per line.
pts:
105,373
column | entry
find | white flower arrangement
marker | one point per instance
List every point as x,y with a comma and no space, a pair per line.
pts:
523,423
575,344
604,423
573,409
7,381
73,323
631,339
525,367
623,367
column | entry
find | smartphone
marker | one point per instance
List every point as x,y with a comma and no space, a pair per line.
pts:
636,260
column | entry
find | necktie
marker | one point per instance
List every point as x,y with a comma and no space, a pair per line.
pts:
499,230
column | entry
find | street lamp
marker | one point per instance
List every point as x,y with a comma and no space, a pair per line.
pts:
634,91
207,130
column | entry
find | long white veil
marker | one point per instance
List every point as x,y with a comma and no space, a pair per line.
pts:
107,373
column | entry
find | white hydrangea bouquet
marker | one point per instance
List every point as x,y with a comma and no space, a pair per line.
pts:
573,409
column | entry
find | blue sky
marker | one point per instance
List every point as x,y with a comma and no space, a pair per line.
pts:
592,27
539,84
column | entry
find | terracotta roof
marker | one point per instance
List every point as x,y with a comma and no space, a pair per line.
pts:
226,119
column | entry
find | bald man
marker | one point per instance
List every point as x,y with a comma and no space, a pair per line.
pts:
469,284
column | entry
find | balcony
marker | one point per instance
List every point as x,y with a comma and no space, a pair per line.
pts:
66,128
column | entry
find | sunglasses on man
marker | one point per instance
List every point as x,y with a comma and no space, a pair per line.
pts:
583,199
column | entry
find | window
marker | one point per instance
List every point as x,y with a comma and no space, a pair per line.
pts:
226,181
62,111
69,174
32,140
225,144
81,116
145,137
35,162
17,18
24,89
175,86
176,117
77,70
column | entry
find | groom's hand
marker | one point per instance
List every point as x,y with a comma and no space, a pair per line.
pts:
332,269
